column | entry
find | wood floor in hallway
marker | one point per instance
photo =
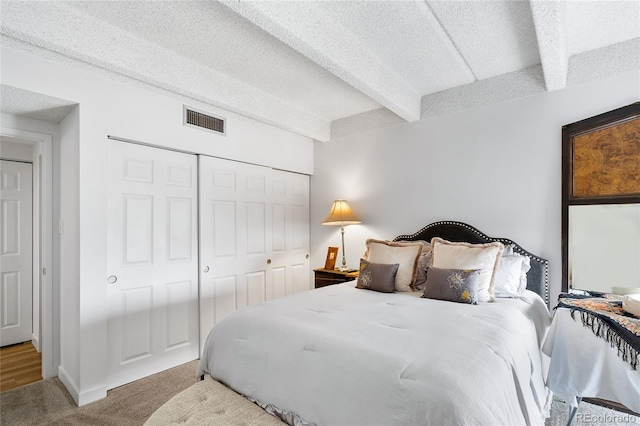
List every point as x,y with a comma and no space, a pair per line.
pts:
20,365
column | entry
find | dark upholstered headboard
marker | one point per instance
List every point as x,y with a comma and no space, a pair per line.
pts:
538,275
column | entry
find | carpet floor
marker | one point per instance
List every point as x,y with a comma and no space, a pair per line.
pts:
48,403
589,414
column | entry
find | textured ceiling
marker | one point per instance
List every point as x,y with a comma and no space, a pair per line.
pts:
33,105
303,65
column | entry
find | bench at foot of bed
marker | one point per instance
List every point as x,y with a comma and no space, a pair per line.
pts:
212,403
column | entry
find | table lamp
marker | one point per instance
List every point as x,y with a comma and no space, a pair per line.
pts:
341,214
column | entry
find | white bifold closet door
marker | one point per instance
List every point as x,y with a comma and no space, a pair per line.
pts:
152,261
254,237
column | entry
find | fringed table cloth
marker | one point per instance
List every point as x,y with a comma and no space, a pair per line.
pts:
594,346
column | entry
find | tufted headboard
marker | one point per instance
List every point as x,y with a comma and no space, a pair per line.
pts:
538,275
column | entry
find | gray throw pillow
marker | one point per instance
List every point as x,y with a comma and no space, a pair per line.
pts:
454,285
377,276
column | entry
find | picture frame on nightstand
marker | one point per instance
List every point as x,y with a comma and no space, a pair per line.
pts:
332,256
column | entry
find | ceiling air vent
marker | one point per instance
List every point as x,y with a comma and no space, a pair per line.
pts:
203,120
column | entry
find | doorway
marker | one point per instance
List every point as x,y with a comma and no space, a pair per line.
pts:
16,252
36,149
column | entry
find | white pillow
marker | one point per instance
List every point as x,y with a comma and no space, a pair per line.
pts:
484,257
508,250
631,304
511,278
404,254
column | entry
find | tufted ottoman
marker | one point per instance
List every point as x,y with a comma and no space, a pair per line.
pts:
209,402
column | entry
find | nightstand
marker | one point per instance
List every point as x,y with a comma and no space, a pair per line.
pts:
325,277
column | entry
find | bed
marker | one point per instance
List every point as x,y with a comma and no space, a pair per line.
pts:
342,355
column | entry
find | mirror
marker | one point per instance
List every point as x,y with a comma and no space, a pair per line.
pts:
601,202
604,247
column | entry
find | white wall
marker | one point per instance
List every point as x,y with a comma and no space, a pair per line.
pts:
16,151
497,168
110,107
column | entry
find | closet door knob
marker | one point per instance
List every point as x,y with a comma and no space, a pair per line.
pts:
307,256
112,279
268,261
205,269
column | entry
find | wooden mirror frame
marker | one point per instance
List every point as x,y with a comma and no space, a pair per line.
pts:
609,121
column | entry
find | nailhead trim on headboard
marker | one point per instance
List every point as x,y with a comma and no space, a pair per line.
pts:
516,247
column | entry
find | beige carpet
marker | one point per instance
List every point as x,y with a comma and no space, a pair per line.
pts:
48,403
589,415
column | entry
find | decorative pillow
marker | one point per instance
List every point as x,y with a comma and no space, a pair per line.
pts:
508,250
424,261
631,304
426,245
483,257
454,285
511,278
377,276
404,254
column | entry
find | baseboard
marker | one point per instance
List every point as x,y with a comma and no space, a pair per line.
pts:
69,384
81,398
92,395
35,342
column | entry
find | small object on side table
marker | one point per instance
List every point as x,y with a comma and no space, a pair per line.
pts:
325,277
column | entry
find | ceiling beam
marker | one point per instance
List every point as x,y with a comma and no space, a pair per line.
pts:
309,30
548,22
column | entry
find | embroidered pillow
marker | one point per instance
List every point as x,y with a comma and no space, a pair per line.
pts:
483,257
404,254
511,278
454,285
377,276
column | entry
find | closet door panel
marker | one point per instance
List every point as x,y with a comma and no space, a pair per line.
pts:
254,237
234,216
152,282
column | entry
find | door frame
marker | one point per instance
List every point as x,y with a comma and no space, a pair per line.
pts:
42,253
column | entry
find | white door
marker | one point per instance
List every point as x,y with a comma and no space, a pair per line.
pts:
16,252
152,261
233,237
254,236
289,251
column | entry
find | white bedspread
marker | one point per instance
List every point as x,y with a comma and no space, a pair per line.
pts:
343,356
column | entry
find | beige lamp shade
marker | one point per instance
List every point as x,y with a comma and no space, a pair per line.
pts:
341,214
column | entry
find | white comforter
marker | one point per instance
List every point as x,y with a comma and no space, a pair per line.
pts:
343,356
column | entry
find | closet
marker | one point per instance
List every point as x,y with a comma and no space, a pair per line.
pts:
191,239
254,236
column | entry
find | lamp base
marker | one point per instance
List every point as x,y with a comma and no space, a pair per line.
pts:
346,269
